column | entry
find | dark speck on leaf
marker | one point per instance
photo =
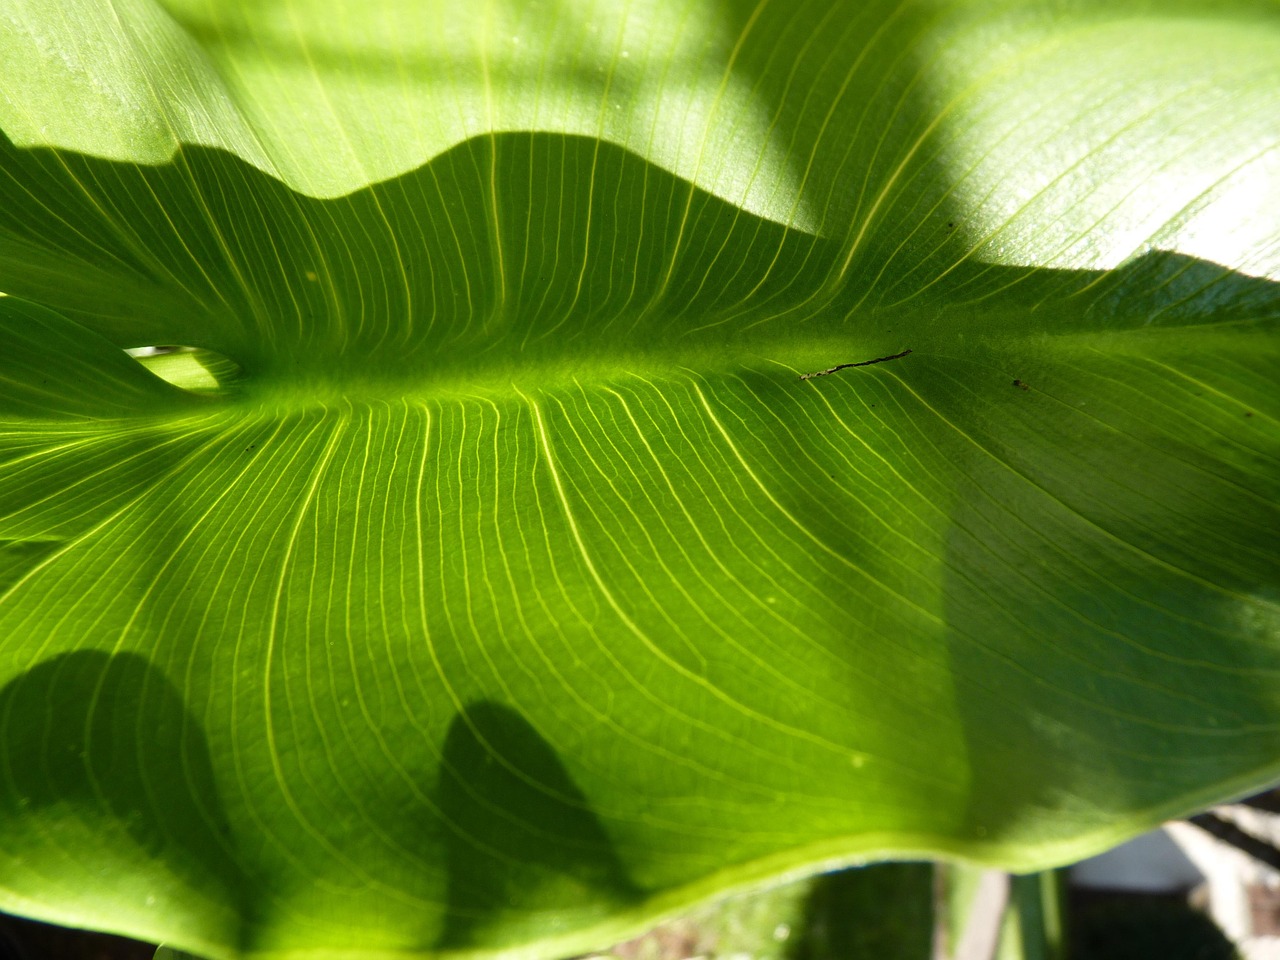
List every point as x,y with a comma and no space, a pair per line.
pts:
1248,413
1020,385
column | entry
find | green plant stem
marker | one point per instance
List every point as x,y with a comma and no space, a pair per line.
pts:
1037,900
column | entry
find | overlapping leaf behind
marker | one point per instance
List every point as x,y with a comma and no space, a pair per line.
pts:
502,585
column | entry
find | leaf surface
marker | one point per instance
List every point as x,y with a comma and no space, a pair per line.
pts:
504,586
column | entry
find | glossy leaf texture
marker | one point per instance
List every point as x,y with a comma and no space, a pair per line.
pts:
501,586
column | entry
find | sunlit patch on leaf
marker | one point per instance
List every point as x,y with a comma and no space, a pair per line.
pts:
193,369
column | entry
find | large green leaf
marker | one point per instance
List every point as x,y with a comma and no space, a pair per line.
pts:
505,586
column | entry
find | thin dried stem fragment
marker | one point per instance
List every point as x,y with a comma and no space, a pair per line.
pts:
846,366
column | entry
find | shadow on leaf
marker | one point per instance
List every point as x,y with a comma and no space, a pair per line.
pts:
526,851
100,746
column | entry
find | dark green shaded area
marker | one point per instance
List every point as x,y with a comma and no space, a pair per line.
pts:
523,844
108,740
19,556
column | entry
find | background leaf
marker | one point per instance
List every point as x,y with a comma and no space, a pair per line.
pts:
511,588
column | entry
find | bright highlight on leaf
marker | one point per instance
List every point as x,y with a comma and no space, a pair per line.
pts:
481,577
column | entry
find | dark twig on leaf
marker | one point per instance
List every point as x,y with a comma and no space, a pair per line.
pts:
846,366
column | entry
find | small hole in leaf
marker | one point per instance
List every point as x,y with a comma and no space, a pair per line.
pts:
194,369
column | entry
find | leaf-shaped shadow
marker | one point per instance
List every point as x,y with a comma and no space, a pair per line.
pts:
101,750
524,850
